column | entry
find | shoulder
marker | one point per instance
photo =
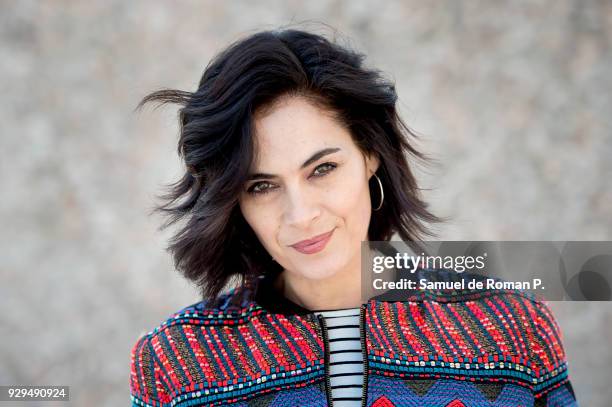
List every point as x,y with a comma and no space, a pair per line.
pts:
233,307
147,387
543,337
511,310
498,325
519,320
510,317
156,354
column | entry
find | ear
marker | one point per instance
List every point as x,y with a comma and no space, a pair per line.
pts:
372,163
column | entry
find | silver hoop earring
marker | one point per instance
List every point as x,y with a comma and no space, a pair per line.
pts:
382,193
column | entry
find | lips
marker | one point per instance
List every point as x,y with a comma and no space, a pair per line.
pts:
313,245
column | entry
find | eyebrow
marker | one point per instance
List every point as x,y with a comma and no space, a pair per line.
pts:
316,156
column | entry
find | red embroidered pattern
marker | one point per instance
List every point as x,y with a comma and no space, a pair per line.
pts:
383,402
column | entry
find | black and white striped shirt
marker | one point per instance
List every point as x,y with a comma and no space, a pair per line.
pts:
345,356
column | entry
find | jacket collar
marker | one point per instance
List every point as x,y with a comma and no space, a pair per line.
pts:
265,293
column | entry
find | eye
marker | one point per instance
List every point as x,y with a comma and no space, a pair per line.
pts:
262,187
323,169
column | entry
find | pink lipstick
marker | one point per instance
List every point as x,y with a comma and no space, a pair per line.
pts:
313,245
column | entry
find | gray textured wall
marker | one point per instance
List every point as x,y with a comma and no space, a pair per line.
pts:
514,100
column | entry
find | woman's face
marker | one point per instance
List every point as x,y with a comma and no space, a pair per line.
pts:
308,179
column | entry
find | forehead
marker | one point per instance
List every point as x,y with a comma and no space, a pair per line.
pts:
292,129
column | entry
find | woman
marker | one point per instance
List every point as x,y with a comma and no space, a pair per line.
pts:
294,155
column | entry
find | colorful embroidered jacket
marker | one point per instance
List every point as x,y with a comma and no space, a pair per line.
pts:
252,347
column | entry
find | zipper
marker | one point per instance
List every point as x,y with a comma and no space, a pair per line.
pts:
321,319
364,392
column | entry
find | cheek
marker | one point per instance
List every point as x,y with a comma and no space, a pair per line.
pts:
352,203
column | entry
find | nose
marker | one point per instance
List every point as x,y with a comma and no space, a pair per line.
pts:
301,208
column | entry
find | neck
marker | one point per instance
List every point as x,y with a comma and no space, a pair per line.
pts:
341,290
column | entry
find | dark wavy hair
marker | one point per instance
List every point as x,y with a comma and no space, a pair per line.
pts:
215,244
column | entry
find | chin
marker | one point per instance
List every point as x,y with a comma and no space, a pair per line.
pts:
320,269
